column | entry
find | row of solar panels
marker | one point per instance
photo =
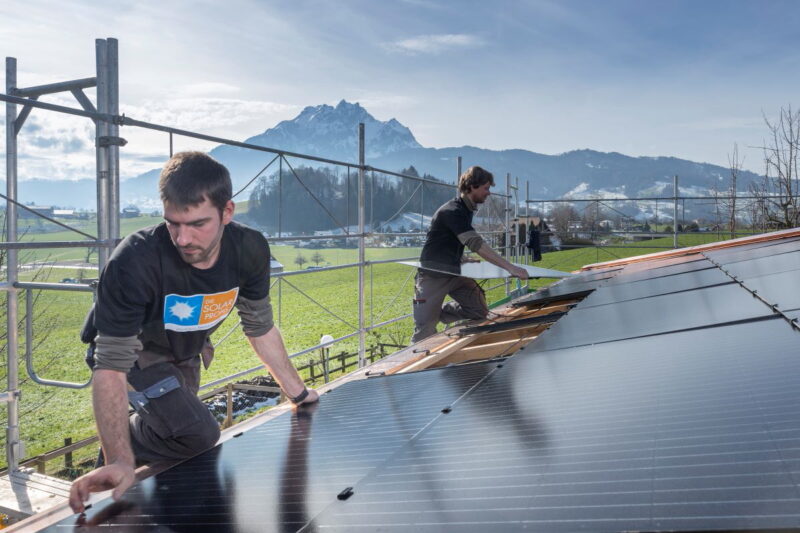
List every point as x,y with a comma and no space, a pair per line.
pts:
666,400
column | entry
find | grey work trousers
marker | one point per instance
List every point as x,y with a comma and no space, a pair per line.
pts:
176,424
429,293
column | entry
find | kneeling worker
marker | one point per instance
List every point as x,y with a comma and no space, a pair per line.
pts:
164,291
451,230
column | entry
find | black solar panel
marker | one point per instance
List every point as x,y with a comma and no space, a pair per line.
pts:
667,400
279,475
776,288
751,251
651,316
568,287
620,291
762,266
637,274
688,433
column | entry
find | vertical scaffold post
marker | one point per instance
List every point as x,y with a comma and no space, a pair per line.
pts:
527,216
675,212
507,246
518,242
458,172
102,131
112,87
13,451
361,246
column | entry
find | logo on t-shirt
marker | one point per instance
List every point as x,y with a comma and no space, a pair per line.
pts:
199,311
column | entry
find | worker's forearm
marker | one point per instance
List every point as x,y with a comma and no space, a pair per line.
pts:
110,401
272,352
486,252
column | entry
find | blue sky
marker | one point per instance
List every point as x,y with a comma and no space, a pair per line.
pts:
678,78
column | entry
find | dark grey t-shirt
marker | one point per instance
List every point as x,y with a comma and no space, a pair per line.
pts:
443,250
147,290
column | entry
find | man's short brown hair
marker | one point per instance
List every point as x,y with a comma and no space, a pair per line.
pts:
474,177
188,178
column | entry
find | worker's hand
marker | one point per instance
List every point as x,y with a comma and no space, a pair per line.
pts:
114,476
518,272
313,397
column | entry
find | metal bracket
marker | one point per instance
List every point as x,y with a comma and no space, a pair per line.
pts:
10,396
107,140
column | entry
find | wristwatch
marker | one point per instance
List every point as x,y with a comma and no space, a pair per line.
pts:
300,397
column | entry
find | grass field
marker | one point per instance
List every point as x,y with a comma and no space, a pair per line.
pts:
48,414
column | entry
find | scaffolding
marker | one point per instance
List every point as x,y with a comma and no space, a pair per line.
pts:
107,121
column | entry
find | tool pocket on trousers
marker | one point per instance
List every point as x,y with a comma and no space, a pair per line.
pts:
162,401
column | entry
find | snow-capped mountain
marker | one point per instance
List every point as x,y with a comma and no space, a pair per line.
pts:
332,132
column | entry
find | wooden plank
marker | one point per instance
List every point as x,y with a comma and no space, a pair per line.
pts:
399,368
256,388
487,351
438,356
498,336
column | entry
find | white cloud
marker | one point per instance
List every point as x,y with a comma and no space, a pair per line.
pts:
209,88
203,114
434,44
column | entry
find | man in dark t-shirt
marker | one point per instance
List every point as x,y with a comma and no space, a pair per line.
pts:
442,254
162,294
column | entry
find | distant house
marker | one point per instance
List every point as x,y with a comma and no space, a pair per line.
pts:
64,213
130,212
46,210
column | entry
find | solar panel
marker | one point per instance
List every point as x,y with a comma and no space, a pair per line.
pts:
650,316
764,265
580,283
621,291
277,476
666,400
750,251
628,276
774,288
655,264
687,432
486,270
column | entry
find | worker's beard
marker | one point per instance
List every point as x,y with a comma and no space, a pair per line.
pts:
194,254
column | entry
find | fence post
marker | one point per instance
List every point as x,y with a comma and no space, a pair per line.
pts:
229,411
325,355
528,223
361,246
506,249
675,212
68,455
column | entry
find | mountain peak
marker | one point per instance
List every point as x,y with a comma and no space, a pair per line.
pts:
332,132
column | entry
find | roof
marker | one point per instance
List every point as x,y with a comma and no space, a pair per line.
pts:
664,398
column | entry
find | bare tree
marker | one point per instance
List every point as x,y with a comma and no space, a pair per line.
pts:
560,217
778,192
729,203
